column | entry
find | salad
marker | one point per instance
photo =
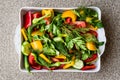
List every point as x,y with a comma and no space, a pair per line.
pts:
61,40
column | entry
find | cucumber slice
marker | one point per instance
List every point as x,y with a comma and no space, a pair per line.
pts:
26,48
78,64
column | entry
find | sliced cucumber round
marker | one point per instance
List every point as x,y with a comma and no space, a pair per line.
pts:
26,48
78,64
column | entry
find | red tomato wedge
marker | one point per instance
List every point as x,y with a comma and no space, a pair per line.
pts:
93,33
92,58
36,15
32,63
31,60
80,24
27,19
88,67
68,20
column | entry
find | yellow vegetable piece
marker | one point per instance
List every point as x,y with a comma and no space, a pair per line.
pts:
81,12
48,11
37,45
70,64
70,14
88,19
60,56
92,27
44,57
23,31
37,33
91,46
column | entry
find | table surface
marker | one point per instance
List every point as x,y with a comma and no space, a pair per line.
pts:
110,62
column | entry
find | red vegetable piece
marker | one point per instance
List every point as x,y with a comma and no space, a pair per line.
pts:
61,66
93,33
52,68
88,67
47,20
27,19
92,58
36,66
80,24
31,60
36,15
55,59
68,20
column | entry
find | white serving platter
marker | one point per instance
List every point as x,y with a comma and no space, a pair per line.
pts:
18,39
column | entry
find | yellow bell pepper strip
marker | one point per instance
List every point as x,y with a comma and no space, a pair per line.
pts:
37,33
70,14
91,46
92,27
23,31
44,57
48,11
61,56
37,45
70,64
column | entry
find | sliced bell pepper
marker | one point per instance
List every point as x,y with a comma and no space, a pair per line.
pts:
92,58
37,33
60,56
48,11
44,57
23,31
91,46
27,19
88,67
69,14
70,64
37,45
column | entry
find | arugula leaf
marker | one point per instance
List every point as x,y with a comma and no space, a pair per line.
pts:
61,48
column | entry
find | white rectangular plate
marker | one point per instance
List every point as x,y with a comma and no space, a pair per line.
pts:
18,39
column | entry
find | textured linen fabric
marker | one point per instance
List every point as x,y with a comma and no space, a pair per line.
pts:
9,64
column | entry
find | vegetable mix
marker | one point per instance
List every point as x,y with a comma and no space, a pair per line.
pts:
61,40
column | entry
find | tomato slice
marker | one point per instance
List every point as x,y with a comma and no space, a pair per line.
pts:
93,33
92,58
80,24
36,15
31,59
68,20
88,67
32,62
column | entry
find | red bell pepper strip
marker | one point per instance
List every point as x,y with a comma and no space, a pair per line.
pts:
92,58
88,67
27,19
